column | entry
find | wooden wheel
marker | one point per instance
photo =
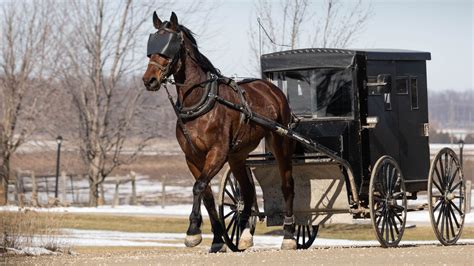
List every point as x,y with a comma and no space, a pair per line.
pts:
446,195
231,205
388,202
305,235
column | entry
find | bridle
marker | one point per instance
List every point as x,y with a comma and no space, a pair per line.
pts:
168,45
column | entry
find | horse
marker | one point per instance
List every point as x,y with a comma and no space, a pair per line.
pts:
211,134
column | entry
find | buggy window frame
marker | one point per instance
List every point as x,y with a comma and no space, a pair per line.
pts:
413,107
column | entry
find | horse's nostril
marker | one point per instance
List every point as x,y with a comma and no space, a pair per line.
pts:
151,80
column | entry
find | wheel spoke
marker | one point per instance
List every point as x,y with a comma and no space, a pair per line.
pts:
298,234
232,187
230,196
390,217
453,177
379,218
304,235
237,235
440,213
229,214
442,220
455,186
395,225
437,205
398,218
438,187
449,169
386,226
232,220
457,209
393,180
442,176
233,230
451,222
454,216
397,195
399,208
445,216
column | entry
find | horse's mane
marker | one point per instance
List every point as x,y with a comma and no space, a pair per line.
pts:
201,59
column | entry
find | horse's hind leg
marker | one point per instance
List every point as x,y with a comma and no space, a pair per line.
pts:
282,148
239,170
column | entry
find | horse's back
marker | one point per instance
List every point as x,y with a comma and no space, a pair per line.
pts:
267,99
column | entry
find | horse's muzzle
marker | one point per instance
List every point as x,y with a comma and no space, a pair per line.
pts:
152,84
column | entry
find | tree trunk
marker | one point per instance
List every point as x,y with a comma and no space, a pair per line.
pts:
94,178
93,194
4,177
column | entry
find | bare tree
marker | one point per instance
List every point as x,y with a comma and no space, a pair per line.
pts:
100,45
25,32
292,24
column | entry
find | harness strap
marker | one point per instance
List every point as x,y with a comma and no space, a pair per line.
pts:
180,121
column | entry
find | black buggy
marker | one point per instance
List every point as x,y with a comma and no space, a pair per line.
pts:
362,147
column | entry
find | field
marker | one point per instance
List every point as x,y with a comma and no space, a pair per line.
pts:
408,253
111,237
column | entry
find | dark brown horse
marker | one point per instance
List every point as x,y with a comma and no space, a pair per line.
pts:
219,135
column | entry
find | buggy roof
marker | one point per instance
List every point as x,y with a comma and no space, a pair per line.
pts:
340,58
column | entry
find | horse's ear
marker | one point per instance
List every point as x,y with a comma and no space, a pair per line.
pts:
156,21
174,21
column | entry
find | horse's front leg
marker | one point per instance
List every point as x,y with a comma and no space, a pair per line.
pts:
214,161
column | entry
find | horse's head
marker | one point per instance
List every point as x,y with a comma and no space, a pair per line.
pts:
164,48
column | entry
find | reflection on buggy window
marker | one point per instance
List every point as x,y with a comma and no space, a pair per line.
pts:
318,93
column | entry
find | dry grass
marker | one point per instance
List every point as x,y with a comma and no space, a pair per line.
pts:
28,228
179,225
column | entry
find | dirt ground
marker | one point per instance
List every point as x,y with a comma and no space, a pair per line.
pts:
407,255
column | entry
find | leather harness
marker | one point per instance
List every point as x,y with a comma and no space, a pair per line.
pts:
170,45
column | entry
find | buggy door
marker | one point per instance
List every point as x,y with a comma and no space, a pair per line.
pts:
410,89
383,139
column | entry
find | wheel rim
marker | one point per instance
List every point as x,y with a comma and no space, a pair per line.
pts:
446,195
305,235
388,202
231,205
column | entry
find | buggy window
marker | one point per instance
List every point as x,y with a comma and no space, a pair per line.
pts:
318,93
414,93
402,85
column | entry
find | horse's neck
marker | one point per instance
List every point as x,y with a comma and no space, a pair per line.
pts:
190,75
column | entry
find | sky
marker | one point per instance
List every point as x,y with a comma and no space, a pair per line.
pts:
442,27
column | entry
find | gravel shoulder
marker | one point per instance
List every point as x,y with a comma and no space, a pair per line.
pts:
411,255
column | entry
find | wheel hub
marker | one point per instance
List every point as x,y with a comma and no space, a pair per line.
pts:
240,206
449,196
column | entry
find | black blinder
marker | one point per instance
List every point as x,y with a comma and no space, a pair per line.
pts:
166,44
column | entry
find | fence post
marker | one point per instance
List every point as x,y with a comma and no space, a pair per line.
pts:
163,192
116,200
63,187
34,190
133,200
20,196
468,194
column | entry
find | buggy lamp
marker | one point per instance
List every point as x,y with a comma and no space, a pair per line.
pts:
371,122
59,139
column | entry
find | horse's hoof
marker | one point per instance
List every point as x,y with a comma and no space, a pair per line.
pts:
218,248
192,240
288,244
246,240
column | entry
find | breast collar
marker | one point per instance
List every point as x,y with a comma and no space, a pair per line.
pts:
207,101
